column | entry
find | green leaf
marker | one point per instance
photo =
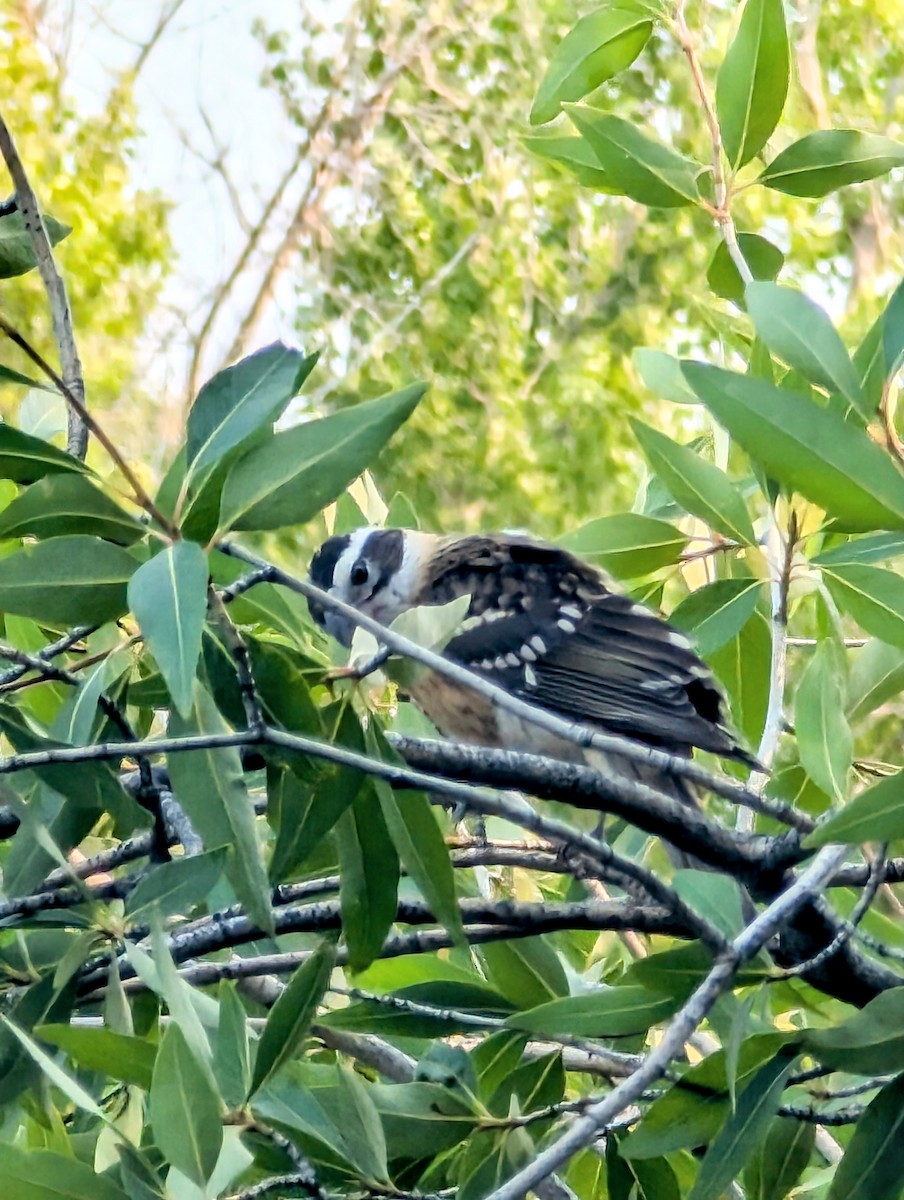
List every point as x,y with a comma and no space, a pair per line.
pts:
877,675
292,1015
53,1072
24,458
43,1175
893,332
184,1109
829,159
639,166
809,449
801,333
742,667
168,595
779,1160
871,1042
628,545
16,253
308,810
67,504
753,81
76,580
873,1164
574,154
419,842
420,1120
755,1108
210,786
291,477
129,1059
178,886
873,596
241,400
601,45
763,259
8,375
715,895
873,548
362,1130
717,612
527,972
876,815
698,486
824,737
369,877
604,1012
662,374
232,1053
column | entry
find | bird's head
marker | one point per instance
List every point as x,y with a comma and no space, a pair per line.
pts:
378,571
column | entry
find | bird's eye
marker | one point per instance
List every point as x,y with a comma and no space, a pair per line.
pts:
358,575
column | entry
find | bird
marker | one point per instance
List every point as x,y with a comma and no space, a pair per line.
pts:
547,627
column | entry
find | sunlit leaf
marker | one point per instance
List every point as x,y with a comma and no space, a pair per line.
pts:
873,596
16,253
829,159
68,503
873,1164
824,737
184,1109
753,80
876,815
628,545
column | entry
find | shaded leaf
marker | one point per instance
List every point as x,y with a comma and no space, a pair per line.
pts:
574,154
24,458
717,612
753,80
764,260
362,1130
65,504
824,737
599,46
232,1052
873,596
527,972
876,815
8,375
810,449
210,786
876,676
873,1164
871,1042
628,545
604,1012
290,1018
168,595
290,478
179,885
698,486
130,1059
639,166
829,159
67,581
369,877
242,399
43,1175
16,253
801,333
779,1161
184,1109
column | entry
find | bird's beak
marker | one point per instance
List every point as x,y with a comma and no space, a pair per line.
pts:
339,627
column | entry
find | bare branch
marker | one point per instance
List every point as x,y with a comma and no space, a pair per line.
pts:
61,314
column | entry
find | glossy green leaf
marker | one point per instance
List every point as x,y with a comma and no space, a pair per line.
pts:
763,259
527,972
67,504
697,485
873,1164
871,1042
717,612
291,477
877,675
829,159
369,877
600,45
75,580
184,1109
420,1120
242,399
809,449
716,896
875,815
53,1072
873,596
753,80
574,154
24,458
604,1012
129,1059
742,667
801,333
744,1129
637,164
362,1129
873,548
43,1175
292,1015
210,786
232,1050
628,545
16,253
779,1160
178,886
893,332
168,595
824,738
662,374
